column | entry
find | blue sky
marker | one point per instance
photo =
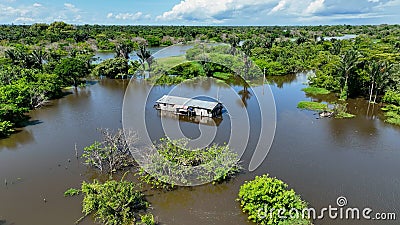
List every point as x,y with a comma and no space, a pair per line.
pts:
201,12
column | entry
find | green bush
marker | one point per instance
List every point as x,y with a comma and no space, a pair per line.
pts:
6,128
392,97
147,219
262,198
392,114
217,162
113,202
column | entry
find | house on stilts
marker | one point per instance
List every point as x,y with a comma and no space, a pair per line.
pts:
189,106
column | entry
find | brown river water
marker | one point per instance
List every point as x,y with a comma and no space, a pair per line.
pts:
321,159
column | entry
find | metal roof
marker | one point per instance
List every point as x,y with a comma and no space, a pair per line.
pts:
167,99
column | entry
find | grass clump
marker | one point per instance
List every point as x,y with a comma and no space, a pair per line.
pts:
314,106
315,91
344,115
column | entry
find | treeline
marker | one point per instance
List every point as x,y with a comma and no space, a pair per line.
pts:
104,38
37,60
30,77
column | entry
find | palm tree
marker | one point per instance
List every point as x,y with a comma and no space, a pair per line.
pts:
385,71
38,56
374,70
234,42
347,63
144,57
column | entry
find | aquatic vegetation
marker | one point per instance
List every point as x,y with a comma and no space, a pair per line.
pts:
314,106
392,114
113,202
392,111
217,162
263,197
112,153
340,111
315,91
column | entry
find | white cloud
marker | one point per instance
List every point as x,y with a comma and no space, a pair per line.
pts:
128,16
71,7
279,7
315,6
214,11
24,20
222,10
37,4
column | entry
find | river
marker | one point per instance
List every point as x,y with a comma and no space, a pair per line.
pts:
321,159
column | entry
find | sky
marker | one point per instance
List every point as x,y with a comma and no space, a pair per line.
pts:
201,12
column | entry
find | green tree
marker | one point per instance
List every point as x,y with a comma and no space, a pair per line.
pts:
264,197
124,48
347,64
112,68
70,70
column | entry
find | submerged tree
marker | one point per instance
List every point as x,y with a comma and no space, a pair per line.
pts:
112,152
123,49
70,70
145,57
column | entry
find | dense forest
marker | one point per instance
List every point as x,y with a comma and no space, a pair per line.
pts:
37,61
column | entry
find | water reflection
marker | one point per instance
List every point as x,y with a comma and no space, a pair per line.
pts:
279,81
191,119
21,137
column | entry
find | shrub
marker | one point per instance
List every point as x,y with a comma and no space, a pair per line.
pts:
392,97
112,153
262,197
6,128
216,162
113,202
392,113
147,219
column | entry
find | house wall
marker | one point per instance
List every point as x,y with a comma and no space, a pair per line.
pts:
198,111
202,112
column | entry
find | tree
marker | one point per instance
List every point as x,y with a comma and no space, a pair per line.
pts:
144,57
70,70
113,202
112,68
268,201
385,71
123,49
38,57
347,63
374,71
112,152
234,42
